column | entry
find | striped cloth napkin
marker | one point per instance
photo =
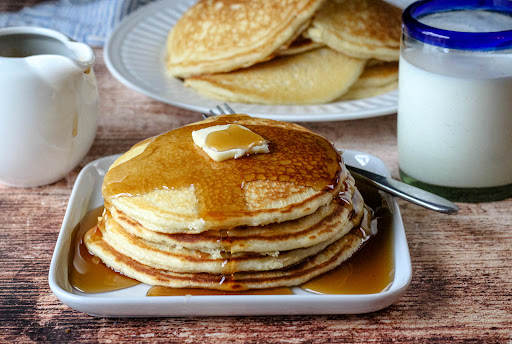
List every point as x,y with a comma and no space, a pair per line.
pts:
88,21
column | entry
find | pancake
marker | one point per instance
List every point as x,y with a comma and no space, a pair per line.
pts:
359,28
295,38
300,45
318,227
296,79
325,260
377,78
223,35
170,258
176,216
169,185
370,91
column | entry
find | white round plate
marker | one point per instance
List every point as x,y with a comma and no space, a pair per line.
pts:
135,51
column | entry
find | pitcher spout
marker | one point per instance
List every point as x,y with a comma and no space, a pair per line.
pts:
39,43
84,55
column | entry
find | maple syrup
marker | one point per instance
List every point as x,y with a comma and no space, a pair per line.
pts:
303,158
87,273
234,137
166,291
370,270
317,165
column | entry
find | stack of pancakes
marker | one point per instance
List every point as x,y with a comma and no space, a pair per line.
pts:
286,52
174,217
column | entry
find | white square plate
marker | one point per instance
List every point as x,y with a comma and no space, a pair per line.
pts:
133,302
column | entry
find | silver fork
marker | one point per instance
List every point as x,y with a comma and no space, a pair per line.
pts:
221,111
394,187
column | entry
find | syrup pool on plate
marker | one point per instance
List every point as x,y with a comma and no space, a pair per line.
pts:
370,270
87,273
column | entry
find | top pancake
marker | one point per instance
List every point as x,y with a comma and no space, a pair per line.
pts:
223,35
169,185
359,28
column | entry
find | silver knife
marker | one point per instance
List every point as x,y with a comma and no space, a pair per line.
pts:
405,191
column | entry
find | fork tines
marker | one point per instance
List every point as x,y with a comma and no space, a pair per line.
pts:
227,110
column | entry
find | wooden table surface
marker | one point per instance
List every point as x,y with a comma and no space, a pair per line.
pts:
461,290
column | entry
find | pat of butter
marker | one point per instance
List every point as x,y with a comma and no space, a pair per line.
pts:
229,141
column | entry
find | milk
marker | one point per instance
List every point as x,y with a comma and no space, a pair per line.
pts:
469,21
455,130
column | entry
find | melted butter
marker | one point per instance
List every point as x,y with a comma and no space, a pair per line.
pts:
172,160
166,291
86,272
234,137
371,269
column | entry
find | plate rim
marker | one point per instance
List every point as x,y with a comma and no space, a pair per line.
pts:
170,306
114,43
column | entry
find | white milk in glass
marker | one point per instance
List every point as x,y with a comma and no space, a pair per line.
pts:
455,113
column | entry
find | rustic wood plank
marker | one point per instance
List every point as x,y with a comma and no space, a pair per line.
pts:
461,289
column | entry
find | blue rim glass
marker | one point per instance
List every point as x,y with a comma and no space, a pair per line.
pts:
479,41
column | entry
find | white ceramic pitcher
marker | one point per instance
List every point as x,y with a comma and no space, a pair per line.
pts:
48,105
